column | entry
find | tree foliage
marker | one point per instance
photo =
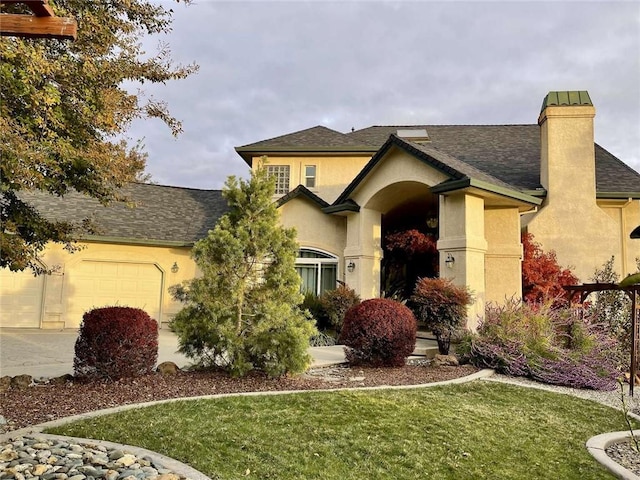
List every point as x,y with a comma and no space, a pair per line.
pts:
64,111
542,276
442,306
243,312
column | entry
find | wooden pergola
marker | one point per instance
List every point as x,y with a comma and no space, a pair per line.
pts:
42,23
632,291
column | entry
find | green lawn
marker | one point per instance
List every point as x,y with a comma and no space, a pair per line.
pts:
468,431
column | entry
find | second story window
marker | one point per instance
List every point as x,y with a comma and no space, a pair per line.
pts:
281,174
310,176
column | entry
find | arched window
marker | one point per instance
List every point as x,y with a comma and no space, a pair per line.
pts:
318,270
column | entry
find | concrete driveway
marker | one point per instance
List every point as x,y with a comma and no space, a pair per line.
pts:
49,353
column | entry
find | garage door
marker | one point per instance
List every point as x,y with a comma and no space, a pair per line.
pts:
20,299
92,284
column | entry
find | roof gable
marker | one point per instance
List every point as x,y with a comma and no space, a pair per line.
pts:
302,192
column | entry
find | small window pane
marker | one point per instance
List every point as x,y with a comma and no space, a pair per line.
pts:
310,176
328,277
309,276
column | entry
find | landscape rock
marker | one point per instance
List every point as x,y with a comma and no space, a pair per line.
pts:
62,379
21,381
445,361
168,368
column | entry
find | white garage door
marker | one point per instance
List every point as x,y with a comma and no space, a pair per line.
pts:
20,299
92,284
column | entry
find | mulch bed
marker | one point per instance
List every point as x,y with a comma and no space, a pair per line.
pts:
42,403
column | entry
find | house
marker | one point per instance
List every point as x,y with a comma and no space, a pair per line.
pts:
476,188
473,187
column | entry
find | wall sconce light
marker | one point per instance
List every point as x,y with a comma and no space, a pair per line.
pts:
351,266
450,260
432,222
174,267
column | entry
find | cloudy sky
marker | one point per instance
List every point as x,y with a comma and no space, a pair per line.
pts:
270,68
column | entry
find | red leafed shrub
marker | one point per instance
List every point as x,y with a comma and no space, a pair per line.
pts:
411,242
379,332
542,277
442,306
116,342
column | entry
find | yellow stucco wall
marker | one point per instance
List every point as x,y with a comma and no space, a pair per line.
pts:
503,259
333,173
314,228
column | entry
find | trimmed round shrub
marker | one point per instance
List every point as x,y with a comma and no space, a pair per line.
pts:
115,342
379,332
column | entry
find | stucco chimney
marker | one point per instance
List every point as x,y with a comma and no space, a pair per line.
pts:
567,168
569,221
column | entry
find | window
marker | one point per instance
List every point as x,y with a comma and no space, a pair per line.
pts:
318,270
281,174
310,176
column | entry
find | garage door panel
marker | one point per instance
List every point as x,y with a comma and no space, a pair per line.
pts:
94,284
20,299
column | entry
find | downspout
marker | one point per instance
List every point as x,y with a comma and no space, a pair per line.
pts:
623,239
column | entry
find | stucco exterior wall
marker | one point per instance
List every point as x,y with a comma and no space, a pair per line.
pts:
333,173
503,259
314,228
57,295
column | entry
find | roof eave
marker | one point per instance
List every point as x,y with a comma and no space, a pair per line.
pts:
344,207
618,195
461,184
136,241
247,153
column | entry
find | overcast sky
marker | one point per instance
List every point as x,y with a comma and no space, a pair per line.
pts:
271,68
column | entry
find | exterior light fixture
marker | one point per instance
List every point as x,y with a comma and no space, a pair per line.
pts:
351,266
432,222
174,267
450,260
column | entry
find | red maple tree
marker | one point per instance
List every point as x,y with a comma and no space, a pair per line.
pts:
542,277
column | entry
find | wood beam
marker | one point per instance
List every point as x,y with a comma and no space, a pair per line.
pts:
31,26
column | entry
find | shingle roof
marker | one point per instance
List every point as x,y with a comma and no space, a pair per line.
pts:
510,153
312,139
157,213
302,191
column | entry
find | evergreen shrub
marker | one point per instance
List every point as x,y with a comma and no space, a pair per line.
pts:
336,303
379,332
115,342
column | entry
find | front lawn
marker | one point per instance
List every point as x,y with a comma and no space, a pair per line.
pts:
468,431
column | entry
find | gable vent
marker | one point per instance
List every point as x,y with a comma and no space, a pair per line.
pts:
417,135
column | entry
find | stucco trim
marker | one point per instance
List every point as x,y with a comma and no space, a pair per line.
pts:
461,184
135,241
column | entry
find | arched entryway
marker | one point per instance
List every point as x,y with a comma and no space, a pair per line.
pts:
409,232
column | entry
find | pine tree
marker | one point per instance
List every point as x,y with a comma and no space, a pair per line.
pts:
243,312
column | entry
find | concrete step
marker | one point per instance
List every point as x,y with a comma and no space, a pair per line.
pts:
425,348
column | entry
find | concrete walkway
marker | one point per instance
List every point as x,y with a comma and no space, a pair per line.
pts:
49,353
